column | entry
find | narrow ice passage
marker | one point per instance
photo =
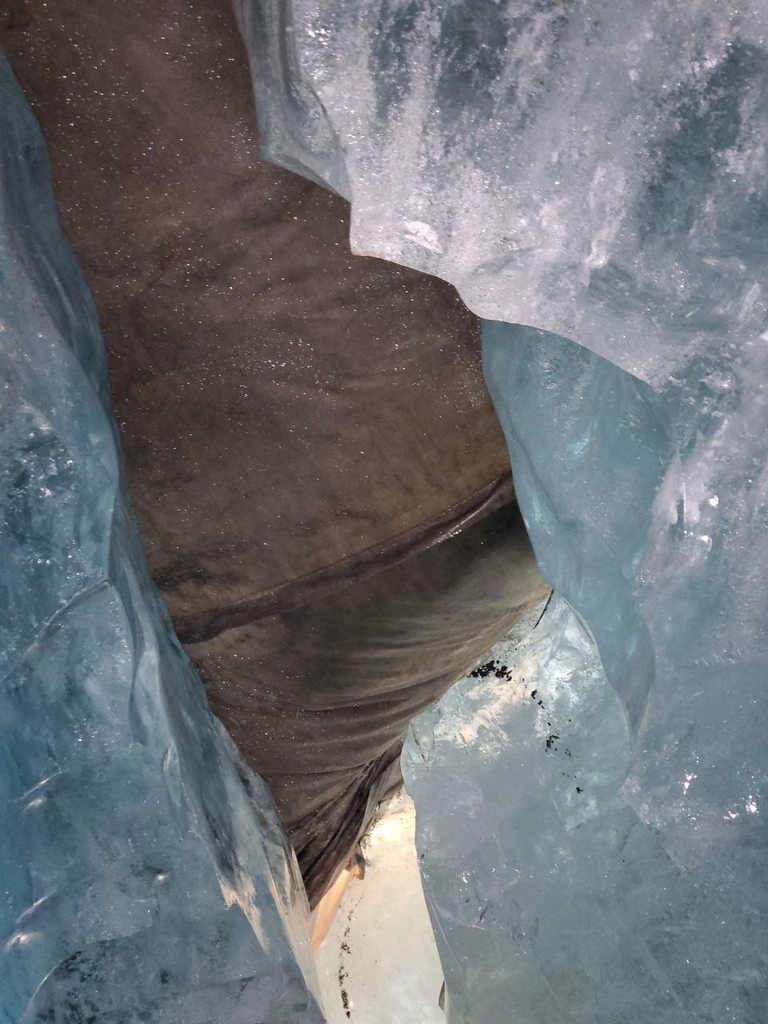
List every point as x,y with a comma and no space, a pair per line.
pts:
591,827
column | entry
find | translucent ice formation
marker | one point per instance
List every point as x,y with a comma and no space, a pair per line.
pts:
145,876
600,857
594,169
597,171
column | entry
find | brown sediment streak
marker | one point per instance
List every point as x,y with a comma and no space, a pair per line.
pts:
202,626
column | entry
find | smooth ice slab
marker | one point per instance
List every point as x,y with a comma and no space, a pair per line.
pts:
600,854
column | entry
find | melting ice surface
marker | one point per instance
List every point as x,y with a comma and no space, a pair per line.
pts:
143,871
597,171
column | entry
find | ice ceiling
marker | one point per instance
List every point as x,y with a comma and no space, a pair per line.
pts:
594,839
588,168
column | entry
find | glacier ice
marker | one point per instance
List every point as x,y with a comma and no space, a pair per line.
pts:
591,169
612,765
145,875
553,898
597,173
593,840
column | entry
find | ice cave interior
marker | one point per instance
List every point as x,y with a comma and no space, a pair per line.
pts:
383,404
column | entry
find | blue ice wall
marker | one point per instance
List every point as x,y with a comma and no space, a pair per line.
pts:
145,876
593,839
587,167
604,859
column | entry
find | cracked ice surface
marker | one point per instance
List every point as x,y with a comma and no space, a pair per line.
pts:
145,876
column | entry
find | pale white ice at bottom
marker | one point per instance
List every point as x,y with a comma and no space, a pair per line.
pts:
380,950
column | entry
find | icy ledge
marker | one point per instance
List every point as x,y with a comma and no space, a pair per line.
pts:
596,171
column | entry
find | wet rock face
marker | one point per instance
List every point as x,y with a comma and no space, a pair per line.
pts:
320,696
282,405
